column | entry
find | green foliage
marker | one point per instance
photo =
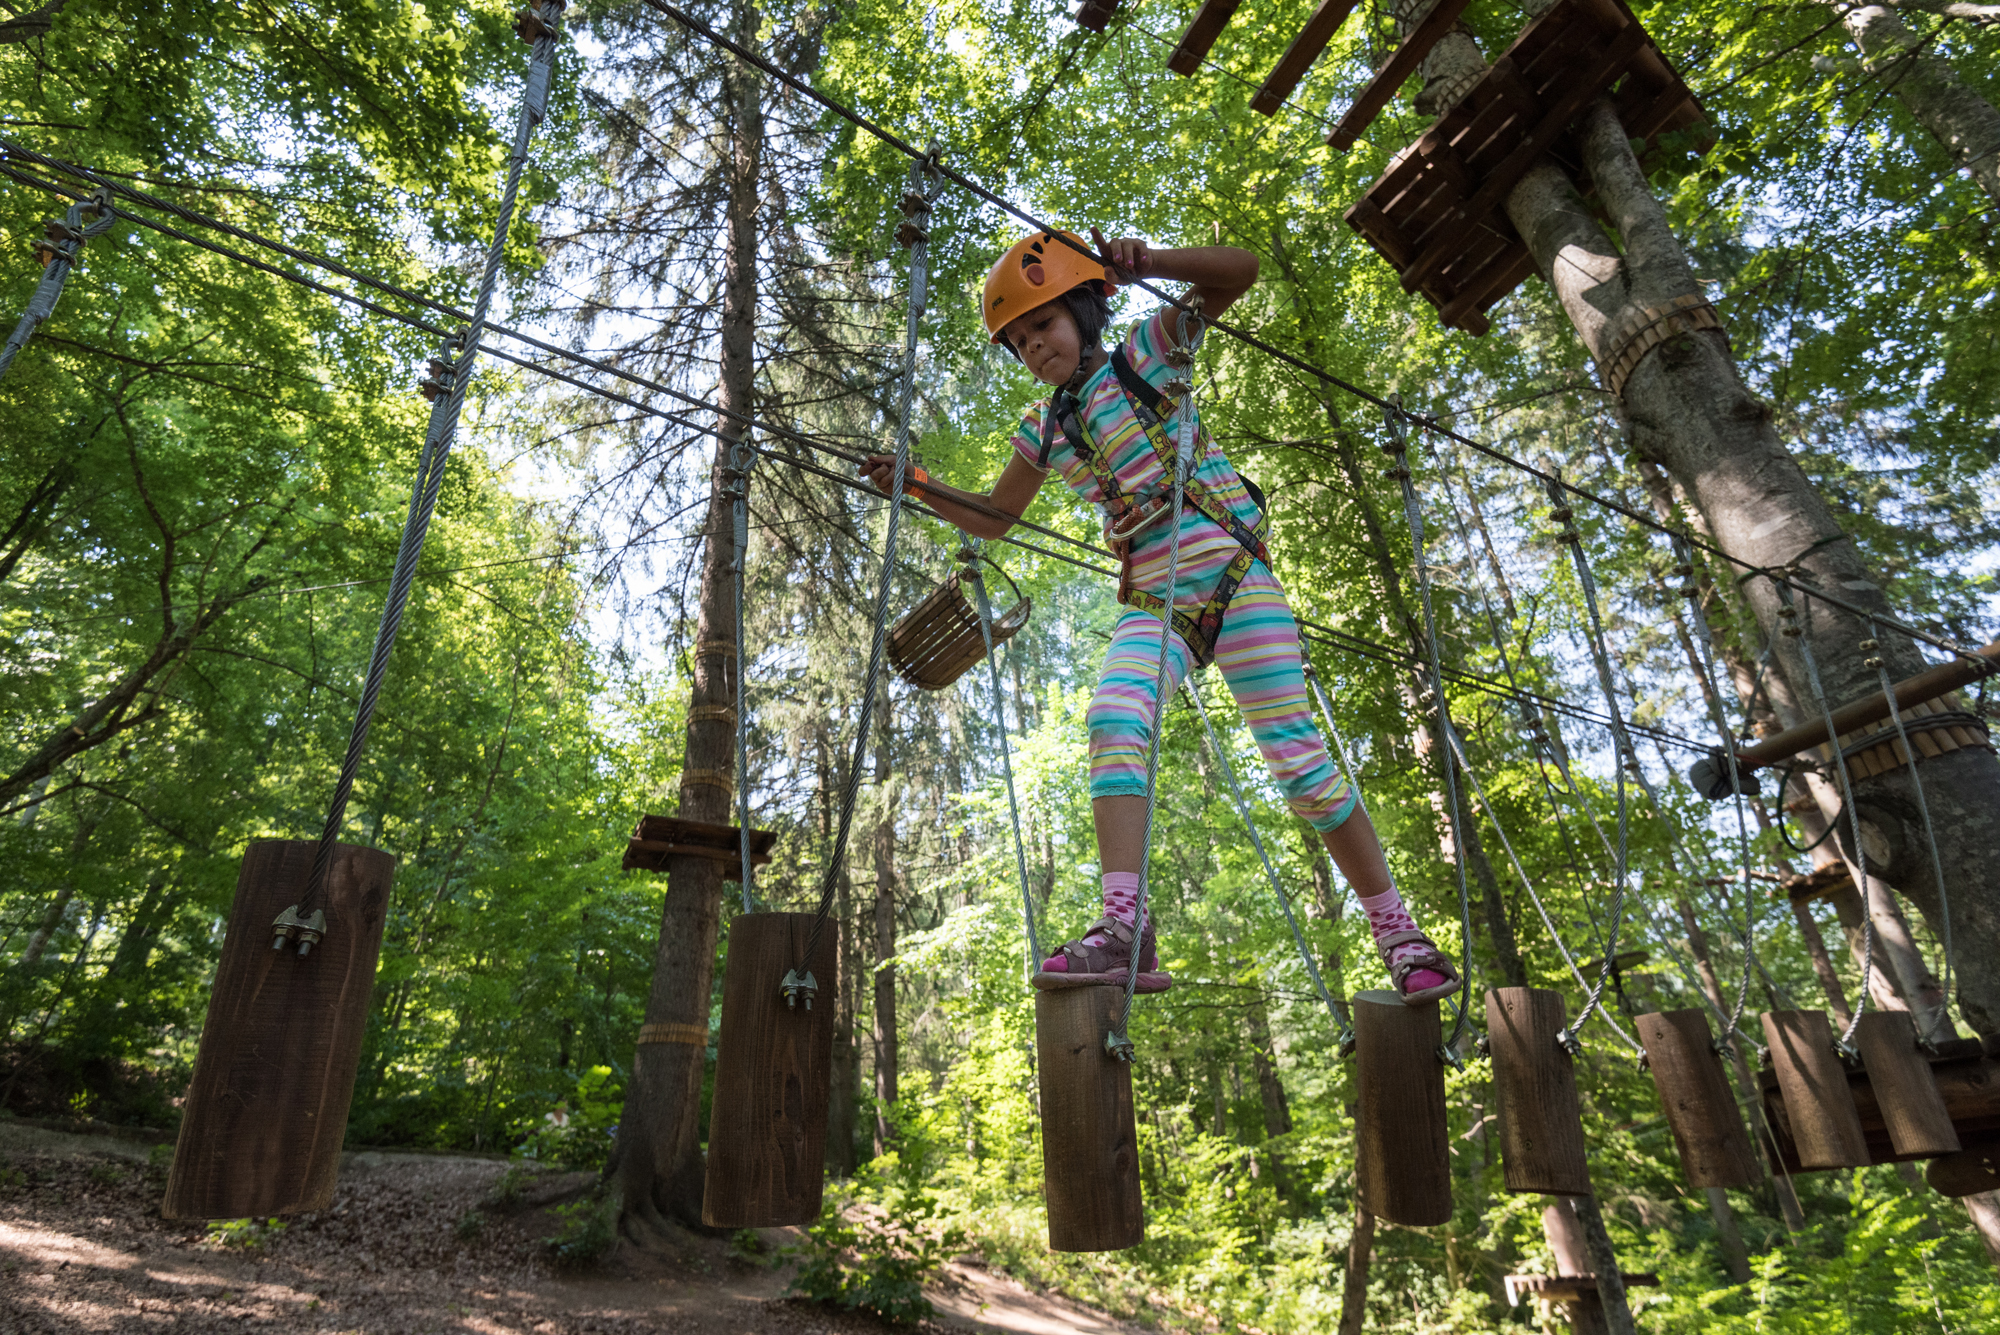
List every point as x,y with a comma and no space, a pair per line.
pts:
243,1234
587,1231
579,1131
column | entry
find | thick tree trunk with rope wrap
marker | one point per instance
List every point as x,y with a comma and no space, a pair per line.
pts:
657,1164
1692,415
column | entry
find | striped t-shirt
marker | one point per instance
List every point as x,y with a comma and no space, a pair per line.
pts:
1107,415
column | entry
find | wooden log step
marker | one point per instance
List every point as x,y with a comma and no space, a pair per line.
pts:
1913,1111
1558,1287
1694,1093
266,1110
1402,1141
1090,1139
1967,1081
1542,1147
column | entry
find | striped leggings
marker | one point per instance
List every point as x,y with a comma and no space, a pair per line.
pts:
1260,658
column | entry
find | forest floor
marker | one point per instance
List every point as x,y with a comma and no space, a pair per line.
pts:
412,1243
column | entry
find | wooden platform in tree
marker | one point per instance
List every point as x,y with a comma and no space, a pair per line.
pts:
1437,215
1968,1080
1820,883
661,837
1557,1288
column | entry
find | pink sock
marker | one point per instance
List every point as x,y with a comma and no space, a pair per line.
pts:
1121,901
1386,914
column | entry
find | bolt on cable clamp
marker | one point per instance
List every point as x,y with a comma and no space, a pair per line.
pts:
1119,1046
1570,1042
909,234
289,926
531,27
797,987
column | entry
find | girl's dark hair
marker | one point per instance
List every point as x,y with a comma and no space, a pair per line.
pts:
1087,306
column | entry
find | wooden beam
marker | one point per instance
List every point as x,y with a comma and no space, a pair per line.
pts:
1940,680
1209,21
1606,66
1094,14
1389,79
1300,55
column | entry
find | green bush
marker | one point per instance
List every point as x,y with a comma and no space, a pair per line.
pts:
579,1130
589,1230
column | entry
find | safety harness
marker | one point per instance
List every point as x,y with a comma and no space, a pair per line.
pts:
1132,515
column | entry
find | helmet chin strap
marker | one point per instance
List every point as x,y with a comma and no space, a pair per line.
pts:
1084,370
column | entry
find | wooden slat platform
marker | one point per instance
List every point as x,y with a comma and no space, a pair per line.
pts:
661,837
1388,80
1209,21
1094,14
1303,51
1437,215
1819,883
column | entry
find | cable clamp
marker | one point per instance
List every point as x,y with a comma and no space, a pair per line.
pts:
1399,472
798,987
1483,1045
1873,661
914,203
531,27
1568,1041
1645,1061
1450,1058
1345,1047
438,382
1119,1046
909,234
289,926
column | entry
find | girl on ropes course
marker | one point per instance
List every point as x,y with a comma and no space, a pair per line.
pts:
1104,430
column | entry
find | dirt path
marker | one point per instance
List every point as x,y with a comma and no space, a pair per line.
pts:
412,1243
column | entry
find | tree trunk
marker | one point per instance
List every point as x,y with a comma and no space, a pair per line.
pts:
1925,82
1499,929
885,934
1564,1234
1735,1256
1354,1288
842,1103
657,1165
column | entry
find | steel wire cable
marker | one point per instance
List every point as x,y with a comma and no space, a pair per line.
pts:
917,208
1910,756
969,558
1390,405
1343,1028
1623,754
1398,448
1118,1042
447,405
61,252
1788,616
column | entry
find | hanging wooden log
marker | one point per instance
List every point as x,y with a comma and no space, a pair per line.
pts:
1402,1141
1694,1092
1968,1082
1972,1170
1090,1141
1904,1088
1534,1086
266,1111
773,1075
1824,1123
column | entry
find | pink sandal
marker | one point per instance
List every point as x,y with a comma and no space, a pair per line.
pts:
1106,965
1432,959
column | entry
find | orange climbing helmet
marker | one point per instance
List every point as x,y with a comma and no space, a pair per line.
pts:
1035,271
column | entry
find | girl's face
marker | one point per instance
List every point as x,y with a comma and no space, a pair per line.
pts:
1047,342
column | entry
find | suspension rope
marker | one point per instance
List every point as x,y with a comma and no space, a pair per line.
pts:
61,250
1623,755
1343,1028
1789,627
1188,336
969,558
1398,449
914,233
1879,662
450,379
1705,642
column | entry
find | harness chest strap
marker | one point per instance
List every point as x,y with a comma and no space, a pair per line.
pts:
1151,408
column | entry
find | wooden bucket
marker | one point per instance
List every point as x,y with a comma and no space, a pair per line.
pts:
1534,1088
1090,1139
939,640
1694,1093
1826,1126
773,1077
1905,1090
1402,1142
266,1111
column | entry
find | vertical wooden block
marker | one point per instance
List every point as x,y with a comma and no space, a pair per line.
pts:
266,1111
1534,1085
1402,1141
773,1077
1971,1171
1090,1143
1825,1124
1694,1093
1905,1090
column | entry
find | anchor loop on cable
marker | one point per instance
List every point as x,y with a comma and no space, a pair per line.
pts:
289,926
